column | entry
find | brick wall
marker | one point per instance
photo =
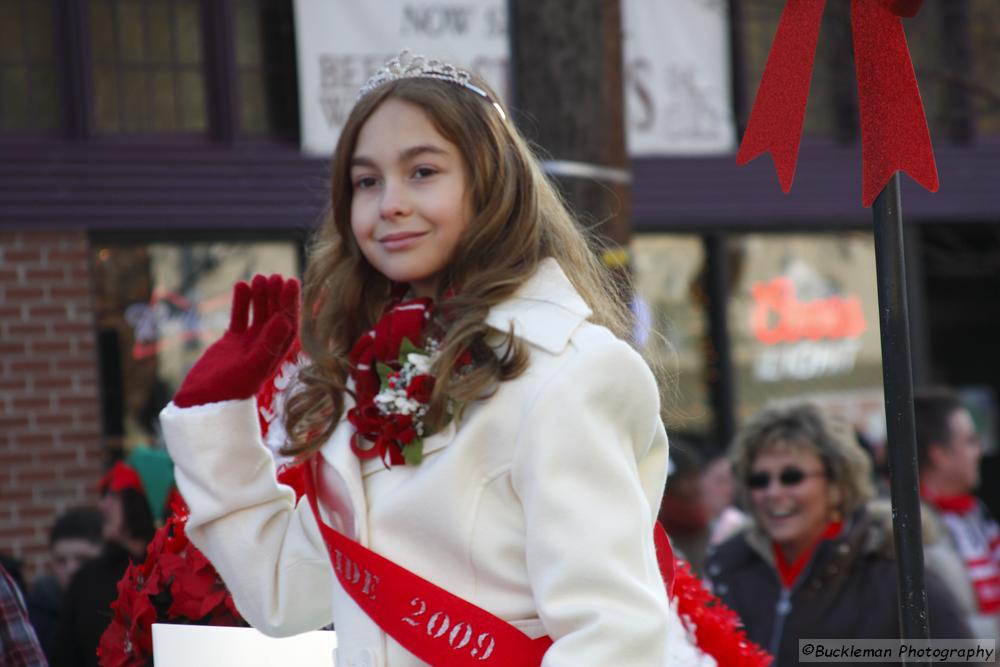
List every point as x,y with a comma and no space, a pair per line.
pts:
50,442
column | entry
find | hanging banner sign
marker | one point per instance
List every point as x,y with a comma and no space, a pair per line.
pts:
676,63
677,78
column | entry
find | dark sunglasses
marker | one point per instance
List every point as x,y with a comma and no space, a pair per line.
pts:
790,476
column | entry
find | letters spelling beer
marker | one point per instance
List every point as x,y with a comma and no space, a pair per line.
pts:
833,317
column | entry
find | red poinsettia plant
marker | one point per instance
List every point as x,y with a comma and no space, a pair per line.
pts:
175,584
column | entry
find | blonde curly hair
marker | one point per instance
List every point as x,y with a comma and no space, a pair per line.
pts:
807,427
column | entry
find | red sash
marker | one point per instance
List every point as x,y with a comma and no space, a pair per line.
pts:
438,627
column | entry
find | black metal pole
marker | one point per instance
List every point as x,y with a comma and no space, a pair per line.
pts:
721,379
897,377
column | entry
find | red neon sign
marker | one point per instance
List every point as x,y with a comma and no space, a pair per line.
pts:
779,317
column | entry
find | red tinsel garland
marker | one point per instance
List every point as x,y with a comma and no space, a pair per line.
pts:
716,627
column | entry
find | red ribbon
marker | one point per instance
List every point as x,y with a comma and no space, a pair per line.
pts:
894,134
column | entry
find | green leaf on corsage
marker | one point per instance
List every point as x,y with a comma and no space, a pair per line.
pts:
407,347
413,453
384,371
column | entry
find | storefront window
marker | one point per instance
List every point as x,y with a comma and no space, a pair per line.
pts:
148,66
265,60
28,74
925,40
803,319
833,71
668,270
984,21
159,305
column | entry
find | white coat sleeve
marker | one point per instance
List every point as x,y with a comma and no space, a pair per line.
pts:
269,552
589,469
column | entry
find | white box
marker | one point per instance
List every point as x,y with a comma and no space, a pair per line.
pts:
208,646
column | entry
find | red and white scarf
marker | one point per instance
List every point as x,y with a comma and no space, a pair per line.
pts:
976,536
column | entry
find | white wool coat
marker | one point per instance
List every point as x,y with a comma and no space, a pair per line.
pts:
538,506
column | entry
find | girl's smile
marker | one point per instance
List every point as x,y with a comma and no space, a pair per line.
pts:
401,240
410,201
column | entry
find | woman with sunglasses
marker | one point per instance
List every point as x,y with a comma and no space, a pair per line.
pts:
813,564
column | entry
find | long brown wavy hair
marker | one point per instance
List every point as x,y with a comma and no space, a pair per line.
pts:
518,220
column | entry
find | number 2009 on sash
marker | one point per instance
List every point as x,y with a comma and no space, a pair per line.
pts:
460,637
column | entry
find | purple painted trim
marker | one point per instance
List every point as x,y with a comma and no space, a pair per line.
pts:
260,185
696,193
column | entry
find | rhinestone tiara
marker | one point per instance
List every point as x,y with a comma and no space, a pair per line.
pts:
413,66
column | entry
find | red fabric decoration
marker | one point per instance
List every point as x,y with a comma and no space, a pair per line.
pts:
121,476
894,134
293,475
789,572
664,557
236,366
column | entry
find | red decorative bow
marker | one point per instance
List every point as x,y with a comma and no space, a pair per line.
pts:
894,134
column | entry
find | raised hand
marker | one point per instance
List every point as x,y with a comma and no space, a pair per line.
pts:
236,365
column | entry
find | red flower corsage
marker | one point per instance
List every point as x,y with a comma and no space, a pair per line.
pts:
393,384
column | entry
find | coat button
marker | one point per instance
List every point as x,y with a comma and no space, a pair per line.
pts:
722,589
714,570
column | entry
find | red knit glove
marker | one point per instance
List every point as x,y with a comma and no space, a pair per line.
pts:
236,365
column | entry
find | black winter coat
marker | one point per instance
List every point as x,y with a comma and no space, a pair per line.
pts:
86,611
847,591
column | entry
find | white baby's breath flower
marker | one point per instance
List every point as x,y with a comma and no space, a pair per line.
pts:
392,400
420,363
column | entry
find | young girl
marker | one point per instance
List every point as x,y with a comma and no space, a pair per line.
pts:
469,411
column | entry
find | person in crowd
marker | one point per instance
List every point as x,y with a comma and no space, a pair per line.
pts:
19,645
813,564
698,509
14,568
469,409
75,538
127,528
968,555
718,495
682,511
